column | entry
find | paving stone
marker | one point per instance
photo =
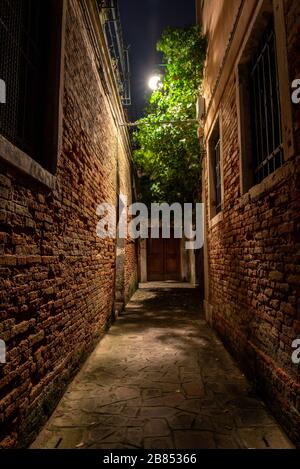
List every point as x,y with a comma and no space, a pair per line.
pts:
181,421
125,394
226,442
117,436
187,377
253,418
158,443
169,387
194,389
190,405
71,421
246,403
153,377
151,393
92,405
99,433
223,421
204,423
194,440
276,438
148,385
130,411
111,446
111,409
135,437
46,439
134,403
136,422
156,427
172,378
71,438
174,398
262,438
155,402
157,411
112,420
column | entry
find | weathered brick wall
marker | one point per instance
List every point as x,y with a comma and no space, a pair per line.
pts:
253,262
131,274
292,12
126,281
57,276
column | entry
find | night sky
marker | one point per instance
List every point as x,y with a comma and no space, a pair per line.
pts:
143,21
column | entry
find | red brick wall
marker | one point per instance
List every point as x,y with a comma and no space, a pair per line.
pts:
292,10
57,277
253,262
131,276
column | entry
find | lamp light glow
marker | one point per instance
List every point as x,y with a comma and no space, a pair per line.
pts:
155,82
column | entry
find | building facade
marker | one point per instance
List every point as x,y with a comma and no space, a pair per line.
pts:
251,180
167,259
62,154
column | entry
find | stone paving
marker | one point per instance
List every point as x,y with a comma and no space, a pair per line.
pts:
161,379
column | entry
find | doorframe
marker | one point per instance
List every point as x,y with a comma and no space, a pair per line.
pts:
186,261
177,273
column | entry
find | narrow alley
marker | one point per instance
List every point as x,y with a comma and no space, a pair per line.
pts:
161,379
149,226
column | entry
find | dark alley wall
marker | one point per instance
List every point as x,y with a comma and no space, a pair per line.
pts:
252,250
57,277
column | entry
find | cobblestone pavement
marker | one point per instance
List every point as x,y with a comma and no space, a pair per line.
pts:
160,379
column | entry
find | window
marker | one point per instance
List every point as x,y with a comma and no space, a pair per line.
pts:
217,174
265,108
30,40
263,94
215,170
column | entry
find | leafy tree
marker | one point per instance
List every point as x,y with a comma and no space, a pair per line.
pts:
168,155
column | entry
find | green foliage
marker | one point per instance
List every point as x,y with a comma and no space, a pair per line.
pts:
169,154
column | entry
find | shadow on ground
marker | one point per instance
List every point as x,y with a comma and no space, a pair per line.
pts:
161,379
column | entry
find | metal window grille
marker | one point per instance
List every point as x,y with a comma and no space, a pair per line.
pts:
265,109
217,173
21,67
119,53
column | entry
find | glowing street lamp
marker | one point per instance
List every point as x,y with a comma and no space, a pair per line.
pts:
155,82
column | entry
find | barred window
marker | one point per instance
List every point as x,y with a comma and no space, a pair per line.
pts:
217,174
215,170
29,49
265,108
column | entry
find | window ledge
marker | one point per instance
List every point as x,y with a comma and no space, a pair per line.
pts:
20,160
259,190
216,220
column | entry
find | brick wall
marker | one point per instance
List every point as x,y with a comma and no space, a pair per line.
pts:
131,275
293,44
57,277
253,260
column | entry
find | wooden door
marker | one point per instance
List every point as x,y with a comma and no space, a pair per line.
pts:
163,259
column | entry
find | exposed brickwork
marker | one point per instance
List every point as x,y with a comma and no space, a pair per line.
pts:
253,261
292,14
131,278
57,277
